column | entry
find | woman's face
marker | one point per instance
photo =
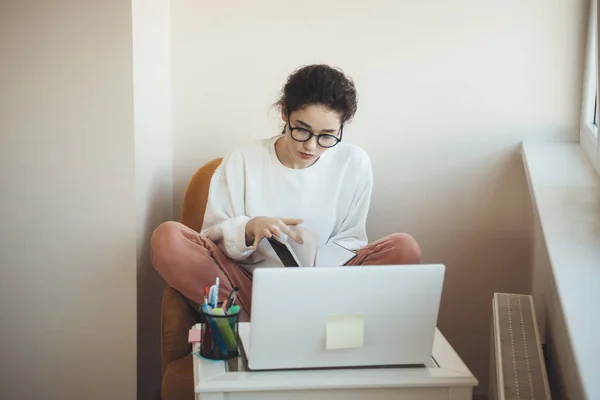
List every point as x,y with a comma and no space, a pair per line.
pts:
316,119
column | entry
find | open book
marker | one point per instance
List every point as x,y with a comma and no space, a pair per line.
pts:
309,254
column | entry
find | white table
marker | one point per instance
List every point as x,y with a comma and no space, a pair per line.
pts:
445,378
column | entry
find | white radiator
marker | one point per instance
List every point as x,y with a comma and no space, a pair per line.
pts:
517,370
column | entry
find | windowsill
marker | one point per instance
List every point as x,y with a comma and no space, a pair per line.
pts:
588,141
566,193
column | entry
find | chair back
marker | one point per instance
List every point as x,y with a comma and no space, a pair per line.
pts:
177,316
196,195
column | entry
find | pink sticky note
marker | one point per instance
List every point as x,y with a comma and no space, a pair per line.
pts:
194,336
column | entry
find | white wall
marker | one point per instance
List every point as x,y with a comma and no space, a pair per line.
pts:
447,92
154,173
67,201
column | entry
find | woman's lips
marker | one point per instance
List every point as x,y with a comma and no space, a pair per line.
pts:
306,156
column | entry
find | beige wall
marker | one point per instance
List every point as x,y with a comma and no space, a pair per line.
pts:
447,92
154,173
67,201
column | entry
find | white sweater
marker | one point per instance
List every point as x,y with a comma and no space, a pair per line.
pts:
332,196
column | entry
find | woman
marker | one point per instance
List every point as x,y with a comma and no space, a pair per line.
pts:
305,176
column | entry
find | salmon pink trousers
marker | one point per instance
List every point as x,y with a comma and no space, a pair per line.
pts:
188,261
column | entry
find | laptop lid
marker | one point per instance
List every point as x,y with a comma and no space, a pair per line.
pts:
344,316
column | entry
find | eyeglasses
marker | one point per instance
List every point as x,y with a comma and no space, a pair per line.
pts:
304,135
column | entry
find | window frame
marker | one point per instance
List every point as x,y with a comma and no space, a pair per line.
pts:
588,132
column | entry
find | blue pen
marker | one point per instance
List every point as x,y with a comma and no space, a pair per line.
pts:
216,334
211,295
216,302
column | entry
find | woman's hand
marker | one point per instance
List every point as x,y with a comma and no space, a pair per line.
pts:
266,227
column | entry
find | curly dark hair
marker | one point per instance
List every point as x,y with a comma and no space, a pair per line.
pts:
320,85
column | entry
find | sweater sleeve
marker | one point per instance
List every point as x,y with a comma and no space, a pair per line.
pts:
225,220
352,233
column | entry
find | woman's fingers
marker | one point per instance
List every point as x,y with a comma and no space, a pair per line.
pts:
258,236
268,227
288,231
292,221
257,240
276,232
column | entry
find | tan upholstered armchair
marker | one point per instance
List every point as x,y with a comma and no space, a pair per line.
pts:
177,316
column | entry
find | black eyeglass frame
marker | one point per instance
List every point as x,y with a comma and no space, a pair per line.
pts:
292,129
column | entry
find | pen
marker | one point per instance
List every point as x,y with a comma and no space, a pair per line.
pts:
216,301
231,298
211,295
233,309
215,330
205,294
225,330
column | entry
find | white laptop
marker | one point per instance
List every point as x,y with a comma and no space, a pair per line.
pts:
343,316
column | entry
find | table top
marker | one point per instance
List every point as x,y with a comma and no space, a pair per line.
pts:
446,369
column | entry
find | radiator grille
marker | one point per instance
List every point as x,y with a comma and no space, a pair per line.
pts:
520,373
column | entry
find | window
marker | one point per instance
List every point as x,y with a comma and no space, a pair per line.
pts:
596,114
588,131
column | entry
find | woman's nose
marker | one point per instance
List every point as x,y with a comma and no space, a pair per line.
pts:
311,144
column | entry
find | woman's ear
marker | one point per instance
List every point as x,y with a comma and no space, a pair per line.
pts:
284,117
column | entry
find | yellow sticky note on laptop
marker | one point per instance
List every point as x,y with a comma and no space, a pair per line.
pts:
344,331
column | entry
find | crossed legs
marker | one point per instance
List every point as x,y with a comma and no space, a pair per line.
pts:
188,261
